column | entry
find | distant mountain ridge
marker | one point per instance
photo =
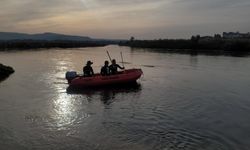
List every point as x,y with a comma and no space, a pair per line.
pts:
42,36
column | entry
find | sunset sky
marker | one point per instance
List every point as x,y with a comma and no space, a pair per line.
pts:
144,19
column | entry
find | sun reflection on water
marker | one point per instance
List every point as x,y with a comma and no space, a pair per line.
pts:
67,111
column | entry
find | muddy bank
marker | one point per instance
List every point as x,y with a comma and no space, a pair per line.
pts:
5,71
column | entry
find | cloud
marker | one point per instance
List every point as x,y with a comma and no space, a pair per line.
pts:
121,18
34,9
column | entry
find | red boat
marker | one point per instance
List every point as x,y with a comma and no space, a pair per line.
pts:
123,77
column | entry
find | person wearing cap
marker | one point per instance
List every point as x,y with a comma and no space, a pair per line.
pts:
88,70
113,67
105,69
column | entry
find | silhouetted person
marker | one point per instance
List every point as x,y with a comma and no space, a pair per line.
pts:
113,67
88,70
105,71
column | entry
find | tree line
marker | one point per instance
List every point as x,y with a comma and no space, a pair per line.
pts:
33,44
195,43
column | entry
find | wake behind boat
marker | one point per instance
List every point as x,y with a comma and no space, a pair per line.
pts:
121,78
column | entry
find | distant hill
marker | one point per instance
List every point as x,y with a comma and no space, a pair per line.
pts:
41,36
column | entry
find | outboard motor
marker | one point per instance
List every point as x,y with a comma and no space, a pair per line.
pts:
70,75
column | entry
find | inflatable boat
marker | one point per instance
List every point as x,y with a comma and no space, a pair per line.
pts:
122,77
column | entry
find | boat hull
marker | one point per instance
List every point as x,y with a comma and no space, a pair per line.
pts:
123,77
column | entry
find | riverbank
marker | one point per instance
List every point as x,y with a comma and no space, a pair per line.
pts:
194,45
5,71
35,44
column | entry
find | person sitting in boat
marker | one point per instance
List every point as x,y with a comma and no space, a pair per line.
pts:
105,69
88,70
113,67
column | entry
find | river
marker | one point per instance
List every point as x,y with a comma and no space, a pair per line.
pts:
182,101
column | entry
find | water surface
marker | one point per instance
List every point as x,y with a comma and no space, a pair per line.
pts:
181,102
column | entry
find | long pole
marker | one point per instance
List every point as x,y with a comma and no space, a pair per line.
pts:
109,56
122,60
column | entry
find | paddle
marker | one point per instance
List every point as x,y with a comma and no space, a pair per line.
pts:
109,56
122,60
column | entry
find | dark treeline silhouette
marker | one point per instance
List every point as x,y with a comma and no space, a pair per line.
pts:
33,44
195,44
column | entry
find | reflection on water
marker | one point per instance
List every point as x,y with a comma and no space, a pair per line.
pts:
195,52
107,93
193,60
65,113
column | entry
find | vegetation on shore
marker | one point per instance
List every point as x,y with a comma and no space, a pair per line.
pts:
5,71
33,44
196,43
